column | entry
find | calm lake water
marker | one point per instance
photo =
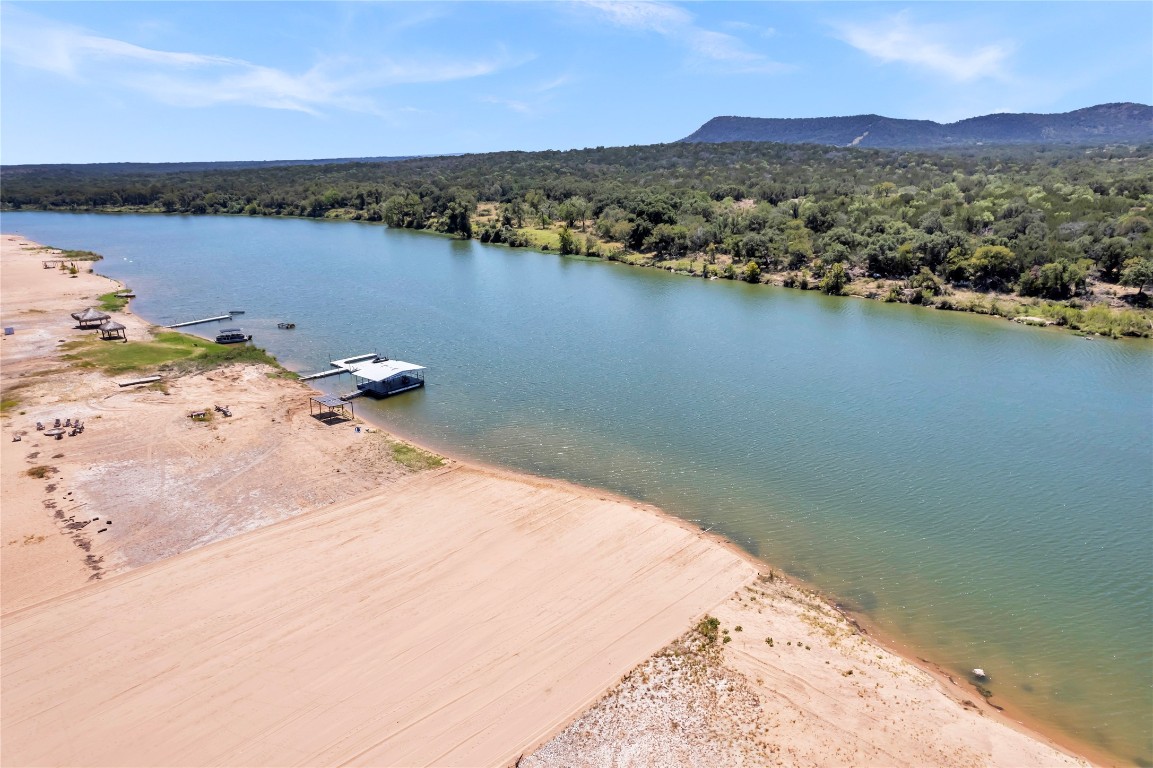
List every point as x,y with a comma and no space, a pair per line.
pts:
980,490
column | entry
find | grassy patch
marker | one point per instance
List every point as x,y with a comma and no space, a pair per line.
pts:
110,302
543,237
168,348
1100,319
81,255
71,255
41,471
8,403
414,458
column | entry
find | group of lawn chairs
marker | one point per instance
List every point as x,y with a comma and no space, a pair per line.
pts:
71,427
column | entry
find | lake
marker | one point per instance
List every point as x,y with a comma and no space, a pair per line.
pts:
980,491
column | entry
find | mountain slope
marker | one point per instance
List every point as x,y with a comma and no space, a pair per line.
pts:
1102,124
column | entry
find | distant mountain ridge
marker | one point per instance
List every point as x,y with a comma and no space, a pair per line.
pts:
1125,122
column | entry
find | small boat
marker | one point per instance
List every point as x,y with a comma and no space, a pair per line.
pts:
232,336
236,311
286,326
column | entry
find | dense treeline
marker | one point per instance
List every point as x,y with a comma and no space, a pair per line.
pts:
1040,222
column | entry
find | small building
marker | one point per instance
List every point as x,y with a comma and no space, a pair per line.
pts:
90,317
112,330
383,377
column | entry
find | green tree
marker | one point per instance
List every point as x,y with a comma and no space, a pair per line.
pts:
752,272
991,266
1056,280
567,241
1111,256
458,218
1138,273
573,210
835,280
668,241
821,217
592,248
926,282
405,211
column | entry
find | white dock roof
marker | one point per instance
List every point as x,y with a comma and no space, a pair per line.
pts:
383,370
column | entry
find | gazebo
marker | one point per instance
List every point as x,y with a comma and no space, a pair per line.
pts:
90,317
112,330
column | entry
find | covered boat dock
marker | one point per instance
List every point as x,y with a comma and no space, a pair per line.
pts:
384,377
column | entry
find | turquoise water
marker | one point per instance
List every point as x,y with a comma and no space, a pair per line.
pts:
980,490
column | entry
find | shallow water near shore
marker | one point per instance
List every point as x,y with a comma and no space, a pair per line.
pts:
980,490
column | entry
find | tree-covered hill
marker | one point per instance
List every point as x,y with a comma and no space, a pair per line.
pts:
1028,224
84,170
1102,124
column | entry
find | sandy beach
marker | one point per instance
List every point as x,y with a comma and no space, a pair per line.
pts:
267,589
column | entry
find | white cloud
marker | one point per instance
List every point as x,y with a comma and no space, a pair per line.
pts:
708,47
744,26
897,39
520,107
650,17
200,80
535,100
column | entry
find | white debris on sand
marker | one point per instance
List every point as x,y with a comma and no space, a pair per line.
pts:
682,707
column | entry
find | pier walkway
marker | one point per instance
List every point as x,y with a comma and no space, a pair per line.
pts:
198,322
343,365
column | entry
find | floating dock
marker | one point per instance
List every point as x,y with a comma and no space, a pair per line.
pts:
344,365
198,322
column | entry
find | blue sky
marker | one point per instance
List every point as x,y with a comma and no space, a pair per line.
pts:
173,81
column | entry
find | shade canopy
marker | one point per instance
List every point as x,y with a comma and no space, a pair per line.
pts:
112,325
90,315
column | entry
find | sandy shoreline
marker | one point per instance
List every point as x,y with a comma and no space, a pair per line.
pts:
473,640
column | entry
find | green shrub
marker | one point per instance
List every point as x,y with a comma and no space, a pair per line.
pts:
709,628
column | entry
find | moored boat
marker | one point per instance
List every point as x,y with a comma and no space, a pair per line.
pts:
232,336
